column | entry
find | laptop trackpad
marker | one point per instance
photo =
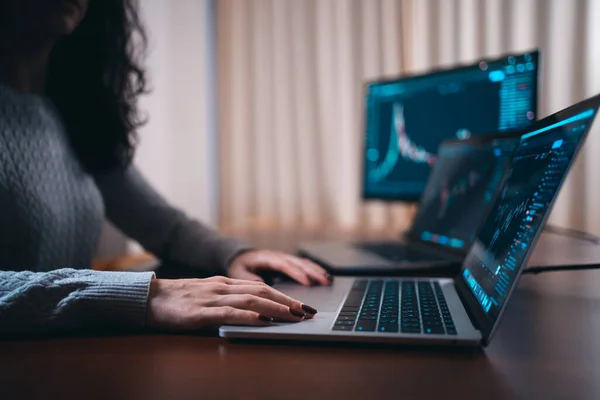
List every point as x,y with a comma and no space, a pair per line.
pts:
323,298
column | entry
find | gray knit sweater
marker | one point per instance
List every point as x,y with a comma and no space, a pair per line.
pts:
51,213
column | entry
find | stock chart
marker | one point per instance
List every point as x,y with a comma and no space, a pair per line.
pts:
406,120
538,169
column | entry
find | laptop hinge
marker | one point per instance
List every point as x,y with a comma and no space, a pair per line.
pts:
465,304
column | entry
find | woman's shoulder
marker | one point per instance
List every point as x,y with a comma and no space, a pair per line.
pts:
11,95
21,112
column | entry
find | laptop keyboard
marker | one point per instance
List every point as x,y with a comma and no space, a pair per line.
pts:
375,305
398,252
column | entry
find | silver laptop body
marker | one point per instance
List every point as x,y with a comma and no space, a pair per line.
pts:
477,298
329,302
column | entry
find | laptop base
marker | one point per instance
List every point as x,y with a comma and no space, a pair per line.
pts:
348,259
329,300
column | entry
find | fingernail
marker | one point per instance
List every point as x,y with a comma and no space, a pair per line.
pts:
265,319
309,309
297,313
329,277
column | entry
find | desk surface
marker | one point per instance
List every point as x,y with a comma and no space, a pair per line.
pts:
547,347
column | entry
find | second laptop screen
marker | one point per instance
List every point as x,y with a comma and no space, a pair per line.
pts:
460,190
408,118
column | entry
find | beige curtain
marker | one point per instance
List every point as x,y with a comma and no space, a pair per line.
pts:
290,95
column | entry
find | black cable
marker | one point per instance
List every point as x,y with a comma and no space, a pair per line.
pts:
573,233
539,270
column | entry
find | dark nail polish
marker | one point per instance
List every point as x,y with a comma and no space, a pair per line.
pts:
309,309
329,277
298,314
265,319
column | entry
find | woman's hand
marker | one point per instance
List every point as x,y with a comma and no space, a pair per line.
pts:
189,304
246,266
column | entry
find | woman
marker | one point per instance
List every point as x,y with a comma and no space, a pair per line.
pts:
69,82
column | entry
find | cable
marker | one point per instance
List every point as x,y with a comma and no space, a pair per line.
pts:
539,270
573,233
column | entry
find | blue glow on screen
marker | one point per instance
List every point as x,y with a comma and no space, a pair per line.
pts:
443,240
457,243
480,294
581,116
496,76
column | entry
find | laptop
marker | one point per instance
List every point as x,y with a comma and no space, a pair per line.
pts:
465,310
463,181
406,121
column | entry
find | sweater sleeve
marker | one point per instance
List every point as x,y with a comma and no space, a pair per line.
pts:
142,214
69,300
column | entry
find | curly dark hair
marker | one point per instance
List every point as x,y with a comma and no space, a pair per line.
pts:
95,78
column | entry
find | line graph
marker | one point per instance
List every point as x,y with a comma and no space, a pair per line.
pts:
409,150
401,146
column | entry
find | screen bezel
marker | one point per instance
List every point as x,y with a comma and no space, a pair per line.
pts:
436,72
481,320
484,139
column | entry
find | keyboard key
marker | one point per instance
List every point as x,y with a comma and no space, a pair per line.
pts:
366,326
342,327
346,317
338,322
354,299
433,330
348,313
360,284
387,327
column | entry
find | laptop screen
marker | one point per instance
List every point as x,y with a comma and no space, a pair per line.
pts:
407,118
538,168
460,189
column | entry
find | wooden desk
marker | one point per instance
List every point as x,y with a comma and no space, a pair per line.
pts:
548,347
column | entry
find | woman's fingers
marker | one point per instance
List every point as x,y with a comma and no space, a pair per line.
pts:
231,281
262,306
227,315
315,272
285,266
244,275
267,292
260,289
